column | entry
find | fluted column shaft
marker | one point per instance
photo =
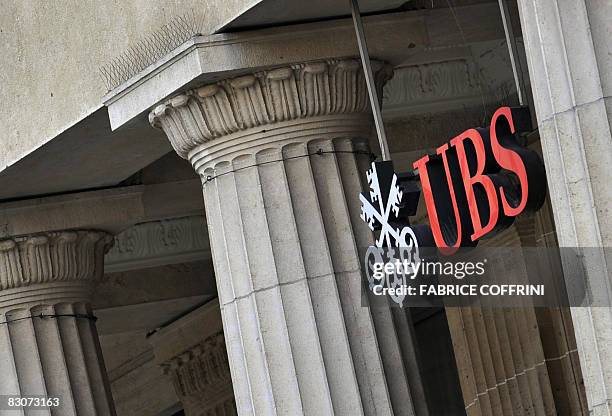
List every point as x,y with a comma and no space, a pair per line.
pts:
499,352
281,159
568,52
48,340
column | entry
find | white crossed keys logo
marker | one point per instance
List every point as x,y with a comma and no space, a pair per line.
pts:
371,215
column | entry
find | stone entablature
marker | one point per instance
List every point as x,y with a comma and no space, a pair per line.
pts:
414,86
476,76
156,243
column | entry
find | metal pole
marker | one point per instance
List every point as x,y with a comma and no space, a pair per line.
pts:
512,50
369,76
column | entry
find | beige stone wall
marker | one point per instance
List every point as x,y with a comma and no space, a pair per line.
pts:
51,52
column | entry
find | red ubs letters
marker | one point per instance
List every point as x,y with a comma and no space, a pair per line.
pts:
479,181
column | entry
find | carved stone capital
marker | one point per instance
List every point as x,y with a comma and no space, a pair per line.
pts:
61,257
271,98
201,373
191,351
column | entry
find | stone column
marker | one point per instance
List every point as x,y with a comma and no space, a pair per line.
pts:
568,51
499,353
281,153
48,340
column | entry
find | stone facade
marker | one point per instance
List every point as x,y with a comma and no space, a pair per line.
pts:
276,125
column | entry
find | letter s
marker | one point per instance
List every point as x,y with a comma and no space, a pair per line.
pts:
509,160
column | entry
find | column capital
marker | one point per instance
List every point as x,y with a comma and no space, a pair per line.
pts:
192,352
201,375
265,100
42,261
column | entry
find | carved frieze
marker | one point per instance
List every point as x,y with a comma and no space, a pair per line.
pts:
156,243
478,76
416,84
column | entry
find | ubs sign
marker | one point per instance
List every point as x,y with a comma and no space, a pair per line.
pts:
473,186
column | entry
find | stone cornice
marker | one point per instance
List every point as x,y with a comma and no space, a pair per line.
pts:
299,91
205,59
392,37
52,257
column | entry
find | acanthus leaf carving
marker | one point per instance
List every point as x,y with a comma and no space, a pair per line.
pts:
52,257
201,375
266,97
